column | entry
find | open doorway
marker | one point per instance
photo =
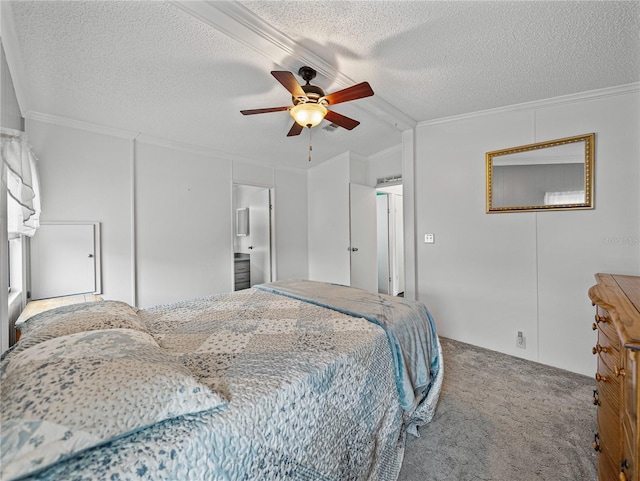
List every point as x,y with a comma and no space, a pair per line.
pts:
390,238
252,239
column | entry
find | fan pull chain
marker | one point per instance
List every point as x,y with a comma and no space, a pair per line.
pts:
310,146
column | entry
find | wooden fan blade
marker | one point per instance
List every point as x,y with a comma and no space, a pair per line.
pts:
358,91
296,128
341,120
263,111
289,82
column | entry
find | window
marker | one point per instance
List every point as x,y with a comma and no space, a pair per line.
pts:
14,264
9,264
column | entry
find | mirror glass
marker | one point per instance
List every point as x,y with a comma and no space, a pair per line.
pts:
557,174
242,221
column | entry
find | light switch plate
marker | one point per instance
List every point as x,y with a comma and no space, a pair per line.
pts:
429,238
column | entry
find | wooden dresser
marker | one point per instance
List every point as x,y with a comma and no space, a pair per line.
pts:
617,320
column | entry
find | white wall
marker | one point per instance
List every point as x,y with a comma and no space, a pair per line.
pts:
183,221
292,248
86,176
165,208
384,164
489,275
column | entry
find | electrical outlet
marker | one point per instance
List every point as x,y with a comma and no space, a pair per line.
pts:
521,341
429,238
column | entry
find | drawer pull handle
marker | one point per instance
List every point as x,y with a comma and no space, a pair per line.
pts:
594,326
599,377
624,464
596,398
598,349
600,318
596,442
619,371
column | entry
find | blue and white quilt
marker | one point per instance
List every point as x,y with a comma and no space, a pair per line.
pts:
258,384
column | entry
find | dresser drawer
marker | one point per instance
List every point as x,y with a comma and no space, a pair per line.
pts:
607,328
629,456
630,395
242,277
608,355
242,266
609,394
609,431
607,468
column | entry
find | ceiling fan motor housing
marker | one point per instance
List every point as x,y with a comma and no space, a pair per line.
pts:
307,73
313,94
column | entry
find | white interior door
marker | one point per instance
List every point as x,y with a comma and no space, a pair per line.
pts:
63,260
362,212
396,232
260,236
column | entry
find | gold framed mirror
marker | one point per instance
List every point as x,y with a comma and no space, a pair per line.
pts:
552,175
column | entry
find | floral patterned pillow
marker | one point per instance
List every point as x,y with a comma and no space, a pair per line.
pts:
89,316
74,392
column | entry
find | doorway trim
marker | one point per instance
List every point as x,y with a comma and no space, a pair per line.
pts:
272,220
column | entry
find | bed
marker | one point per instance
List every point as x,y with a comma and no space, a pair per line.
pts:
288,380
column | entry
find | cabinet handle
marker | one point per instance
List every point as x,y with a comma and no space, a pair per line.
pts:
624,464
598,349
600,318
596,442
594,326
600,377
619,371
596,398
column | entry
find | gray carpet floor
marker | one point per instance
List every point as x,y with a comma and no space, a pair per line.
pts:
502,418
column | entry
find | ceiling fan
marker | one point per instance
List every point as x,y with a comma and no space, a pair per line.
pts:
310,102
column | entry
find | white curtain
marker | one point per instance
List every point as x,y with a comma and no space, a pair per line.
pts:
20,175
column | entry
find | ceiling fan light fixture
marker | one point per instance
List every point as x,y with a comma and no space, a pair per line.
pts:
308,114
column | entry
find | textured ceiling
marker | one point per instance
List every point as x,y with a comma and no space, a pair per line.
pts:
182,71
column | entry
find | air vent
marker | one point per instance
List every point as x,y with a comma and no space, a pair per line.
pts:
391,180
330,127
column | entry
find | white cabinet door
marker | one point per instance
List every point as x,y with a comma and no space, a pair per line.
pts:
63,260
364,262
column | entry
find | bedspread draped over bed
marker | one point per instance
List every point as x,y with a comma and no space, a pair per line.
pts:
318,386
408,325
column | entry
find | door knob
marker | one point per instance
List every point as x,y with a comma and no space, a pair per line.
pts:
90,255
250,247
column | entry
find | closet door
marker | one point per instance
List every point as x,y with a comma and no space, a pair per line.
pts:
364,262
64,261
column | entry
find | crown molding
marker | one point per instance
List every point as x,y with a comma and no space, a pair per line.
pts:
81,125
544,103
186,147
242,25
11,46
209,152
148,139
